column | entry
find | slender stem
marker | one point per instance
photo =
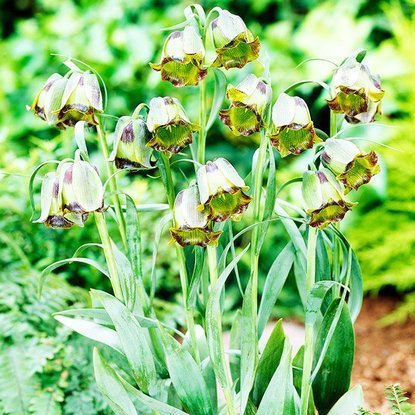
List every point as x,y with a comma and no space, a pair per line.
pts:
109,254
309,330
333,123
336,244
169,186
202,122
112,184
257,218
213,265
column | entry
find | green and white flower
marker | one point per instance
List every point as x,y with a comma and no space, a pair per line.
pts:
324,198
130,144
221,191
356,93
352,167
168,123
190,224
293,130
182,58
250,101
81,100
70,194
235,45
49,98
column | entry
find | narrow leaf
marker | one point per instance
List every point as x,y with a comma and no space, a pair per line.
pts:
218,96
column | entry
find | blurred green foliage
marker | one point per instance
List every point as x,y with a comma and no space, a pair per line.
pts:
119,38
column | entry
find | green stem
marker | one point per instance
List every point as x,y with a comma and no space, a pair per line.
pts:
213,265
112,184
202,123
309,330
169,186
109,254
255,246
333,123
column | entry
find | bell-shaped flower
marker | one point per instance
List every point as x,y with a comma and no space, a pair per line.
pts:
221,191
130,149
49,98
235,45
250,101
324,198
292,130
356,93
53,213
352,167
190,224
81,100
170,128
182,58
81,186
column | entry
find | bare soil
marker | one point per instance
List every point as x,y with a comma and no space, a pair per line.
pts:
384,355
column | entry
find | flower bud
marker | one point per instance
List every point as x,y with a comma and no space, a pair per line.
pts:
352,167
324,198
49,98
130,145
190,224
356,93
235,44
82,190
171,129
250,100
81,100
221,191
182,58
293,131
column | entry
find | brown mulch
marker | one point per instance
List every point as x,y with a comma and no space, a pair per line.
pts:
384,355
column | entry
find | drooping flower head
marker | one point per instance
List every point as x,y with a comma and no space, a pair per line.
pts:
221,191
70,194
250,100
190,224
48,100
352,167
356,93
182,58
235,45
130,144
81,100
324,198
293,130
170,128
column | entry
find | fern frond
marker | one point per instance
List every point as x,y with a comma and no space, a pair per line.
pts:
362,411
46,403
398,401
17,384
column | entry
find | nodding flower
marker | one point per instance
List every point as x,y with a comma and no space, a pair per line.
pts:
221,191
250,101
182,58
70,193
168,123
48,100
81,100
351,166
130,149
356,93
191,226
324,198
293,130
235,45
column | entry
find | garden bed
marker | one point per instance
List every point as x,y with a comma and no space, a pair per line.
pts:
384,355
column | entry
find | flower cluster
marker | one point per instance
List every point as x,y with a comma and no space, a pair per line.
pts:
65,100
70,193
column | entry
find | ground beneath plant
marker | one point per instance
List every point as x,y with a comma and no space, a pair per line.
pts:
384,355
